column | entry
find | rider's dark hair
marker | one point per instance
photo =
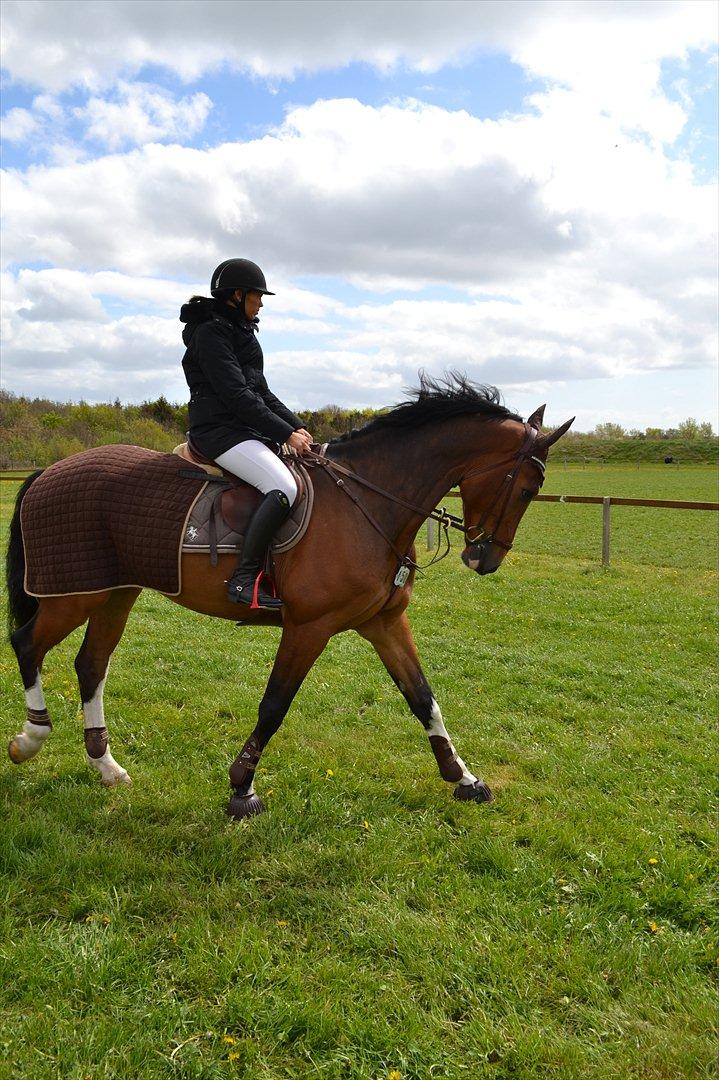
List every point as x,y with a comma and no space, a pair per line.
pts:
220,294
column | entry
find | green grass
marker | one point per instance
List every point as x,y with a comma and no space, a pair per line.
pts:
367,922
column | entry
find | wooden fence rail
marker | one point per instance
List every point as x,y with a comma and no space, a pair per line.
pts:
605,501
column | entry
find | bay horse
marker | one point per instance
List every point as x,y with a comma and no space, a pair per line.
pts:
353,570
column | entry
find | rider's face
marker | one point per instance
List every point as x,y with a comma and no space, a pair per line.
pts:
253,303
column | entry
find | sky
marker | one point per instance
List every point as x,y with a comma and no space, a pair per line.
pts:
522,190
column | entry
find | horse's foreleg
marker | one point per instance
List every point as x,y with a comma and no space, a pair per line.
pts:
299,648
104,631
56,617
392,638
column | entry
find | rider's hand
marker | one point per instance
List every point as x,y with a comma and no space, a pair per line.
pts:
300,441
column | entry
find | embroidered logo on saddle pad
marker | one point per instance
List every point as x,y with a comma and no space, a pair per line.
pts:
219,517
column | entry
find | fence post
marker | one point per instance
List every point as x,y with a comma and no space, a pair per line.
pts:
606,507
431,538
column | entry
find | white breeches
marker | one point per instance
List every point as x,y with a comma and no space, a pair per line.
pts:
254,462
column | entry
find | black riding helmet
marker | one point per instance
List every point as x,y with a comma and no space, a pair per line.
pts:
238,274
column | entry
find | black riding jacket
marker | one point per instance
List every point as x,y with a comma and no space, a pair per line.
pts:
230,400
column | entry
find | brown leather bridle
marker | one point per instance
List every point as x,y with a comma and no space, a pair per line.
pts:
505,489
445,519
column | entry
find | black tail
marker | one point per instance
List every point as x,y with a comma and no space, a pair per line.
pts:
21,607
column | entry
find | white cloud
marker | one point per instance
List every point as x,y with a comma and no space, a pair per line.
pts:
142,113
398,195
603,244
410,194
572,210
18,125
133,114
608,51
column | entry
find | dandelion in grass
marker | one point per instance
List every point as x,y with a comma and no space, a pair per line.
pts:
229,1039
365,824
234,1056
653,927
653,861
329,773
394,1074
282,922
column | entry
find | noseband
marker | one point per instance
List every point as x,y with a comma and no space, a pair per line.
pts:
504,491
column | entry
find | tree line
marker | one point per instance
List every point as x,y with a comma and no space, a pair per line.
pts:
36,432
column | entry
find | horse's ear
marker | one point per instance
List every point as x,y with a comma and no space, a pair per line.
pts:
536,418
548,440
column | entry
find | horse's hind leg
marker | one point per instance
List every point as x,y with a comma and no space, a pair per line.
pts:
391,636
56,617
104,630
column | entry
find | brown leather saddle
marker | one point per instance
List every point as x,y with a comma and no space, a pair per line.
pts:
219,518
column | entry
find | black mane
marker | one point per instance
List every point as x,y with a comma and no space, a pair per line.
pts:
437,399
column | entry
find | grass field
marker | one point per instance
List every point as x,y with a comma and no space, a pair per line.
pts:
368,926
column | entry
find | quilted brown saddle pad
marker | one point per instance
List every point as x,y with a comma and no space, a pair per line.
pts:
118,516
108,517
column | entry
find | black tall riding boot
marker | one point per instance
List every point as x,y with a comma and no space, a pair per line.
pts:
264,523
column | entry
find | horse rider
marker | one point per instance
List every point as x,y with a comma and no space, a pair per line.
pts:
235,419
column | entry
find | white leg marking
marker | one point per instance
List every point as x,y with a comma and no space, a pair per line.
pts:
438,728
31,739
111,774
94,710
34,697
28,743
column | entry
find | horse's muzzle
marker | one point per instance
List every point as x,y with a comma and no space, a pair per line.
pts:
484,557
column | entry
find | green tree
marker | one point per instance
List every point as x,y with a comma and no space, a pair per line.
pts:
609,431
688,429
161,411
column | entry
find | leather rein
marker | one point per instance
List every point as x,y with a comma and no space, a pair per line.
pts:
440,515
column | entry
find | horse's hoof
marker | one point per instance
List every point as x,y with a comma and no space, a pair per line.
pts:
242,806
22,748
111,774
476,792
116,780
14,753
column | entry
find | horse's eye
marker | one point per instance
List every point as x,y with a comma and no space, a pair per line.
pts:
527,494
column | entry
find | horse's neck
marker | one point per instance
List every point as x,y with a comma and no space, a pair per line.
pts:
417,466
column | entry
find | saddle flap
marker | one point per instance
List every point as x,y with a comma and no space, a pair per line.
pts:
237,504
